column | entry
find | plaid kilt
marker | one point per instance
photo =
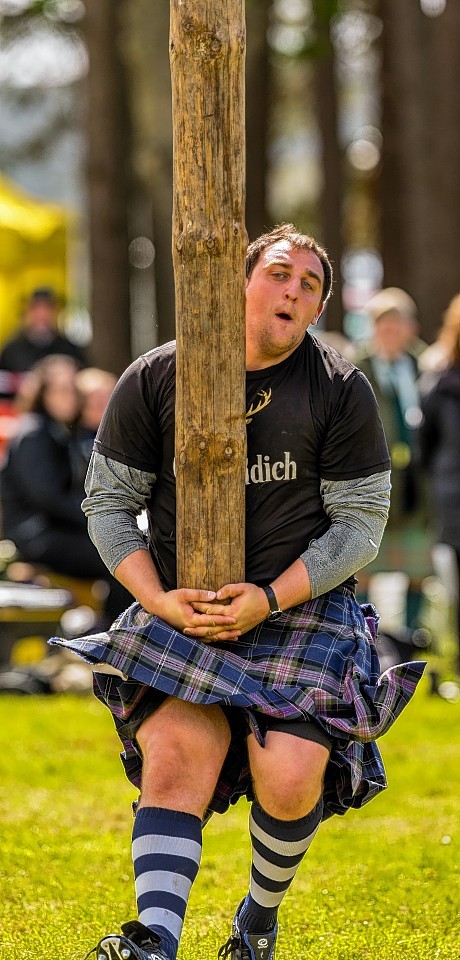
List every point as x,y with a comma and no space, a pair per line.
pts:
318,660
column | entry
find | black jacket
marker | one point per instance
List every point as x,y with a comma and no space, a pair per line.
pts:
20,353
440,447
37,488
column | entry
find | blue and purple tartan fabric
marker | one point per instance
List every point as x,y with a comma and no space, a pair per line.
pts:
318,660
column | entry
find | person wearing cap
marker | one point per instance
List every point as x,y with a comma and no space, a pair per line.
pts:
39,336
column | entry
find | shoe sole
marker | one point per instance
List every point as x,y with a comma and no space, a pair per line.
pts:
111,948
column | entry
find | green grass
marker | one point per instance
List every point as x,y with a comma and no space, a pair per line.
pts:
379,883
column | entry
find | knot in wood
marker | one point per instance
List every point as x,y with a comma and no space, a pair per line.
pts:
205,44
228,452
202,445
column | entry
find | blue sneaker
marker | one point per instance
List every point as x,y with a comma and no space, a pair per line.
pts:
248,946
136,943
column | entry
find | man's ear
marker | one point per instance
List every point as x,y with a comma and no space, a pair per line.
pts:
246,281
317,314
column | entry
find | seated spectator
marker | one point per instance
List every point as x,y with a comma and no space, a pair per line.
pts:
39,491
39,337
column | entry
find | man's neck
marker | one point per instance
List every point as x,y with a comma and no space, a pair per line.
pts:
257,361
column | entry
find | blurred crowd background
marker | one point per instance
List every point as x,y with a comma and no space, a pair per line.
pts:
352,133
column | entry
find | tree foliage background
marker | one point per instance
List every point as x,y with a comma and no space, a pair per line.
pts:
353,132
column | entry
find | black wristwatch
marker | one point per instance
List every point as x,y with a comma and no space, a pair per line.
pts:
275,611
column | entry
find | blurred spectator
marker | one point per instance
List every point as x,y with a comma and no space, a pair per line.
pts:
390,363
95,387
39,336
440,442
439,354
40,494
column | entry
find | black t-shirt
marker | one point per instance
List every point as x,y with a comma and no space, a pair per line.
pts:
313,416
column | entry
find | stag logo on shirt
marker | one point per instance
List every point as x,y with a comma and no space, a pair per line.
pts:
264,471
265,399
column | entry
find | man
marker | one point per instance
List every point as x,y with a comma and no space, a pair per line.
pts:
39,336
280,706
390,366
389,362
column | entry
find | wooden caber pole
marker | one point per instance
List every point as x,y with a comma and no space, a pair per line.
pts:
207,51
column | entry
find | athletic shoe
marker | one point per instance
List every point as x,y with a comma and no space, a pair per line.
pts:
248,946
138,943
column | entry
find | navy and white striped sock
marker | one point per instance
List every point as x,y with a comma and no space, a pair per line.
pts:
166,855
278,847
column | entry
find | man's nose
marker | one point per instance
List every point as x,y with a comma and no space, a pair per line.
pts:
291,290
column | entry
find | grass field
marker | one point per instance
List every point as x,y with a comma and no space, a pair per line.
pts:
380,883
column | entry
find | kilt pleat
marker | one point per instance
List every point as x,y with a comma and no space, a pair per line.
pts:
317,661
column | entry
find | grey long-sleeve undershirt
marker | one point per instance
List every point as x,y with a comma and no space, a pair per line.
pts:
358,510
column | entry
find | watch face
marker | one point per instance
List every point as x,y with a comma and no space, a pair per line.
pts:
275,615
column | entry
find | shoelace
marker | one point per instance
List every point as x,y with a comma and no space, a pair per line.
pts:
94,949
233,943
89,953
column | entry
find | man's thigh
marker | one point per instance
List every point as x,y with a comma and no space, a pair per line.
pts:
173,721
183,747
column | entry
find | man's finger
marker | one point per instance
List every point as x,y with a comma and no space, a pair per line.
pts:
197,595
211,611
230,590
211,633
202,620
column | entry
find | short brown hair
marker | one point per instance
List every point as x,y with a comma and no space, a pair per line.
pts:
298,241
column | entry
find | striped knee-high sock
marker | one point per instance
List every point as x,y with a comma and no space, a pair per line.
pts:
166,855
278,847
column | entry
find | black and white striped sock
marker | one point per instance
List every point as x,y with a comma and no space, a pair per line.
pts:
278,847
166,855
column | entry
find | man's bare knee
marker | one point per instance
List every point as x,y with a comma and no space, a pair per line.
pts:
288,774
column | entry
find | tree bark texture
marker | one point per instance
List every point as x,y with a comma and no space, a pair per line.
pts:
207,47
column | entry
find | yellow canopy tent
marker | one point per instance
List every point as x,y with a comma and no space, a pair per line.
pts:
33,247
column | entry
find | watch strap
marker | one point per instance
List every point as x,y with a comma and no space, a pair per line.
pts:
272,602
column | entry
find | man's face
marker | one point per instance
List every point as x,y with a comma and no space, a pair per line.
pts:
283,297
41,316
393,333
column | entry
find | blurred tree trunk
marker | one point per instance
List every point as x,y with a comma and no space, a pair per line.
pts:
331,200
108,187
444,229
146,49
146,46
257,113
420,186
407,152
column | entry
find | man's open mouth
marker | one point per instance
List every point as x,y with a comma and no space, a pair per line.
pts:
284,316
